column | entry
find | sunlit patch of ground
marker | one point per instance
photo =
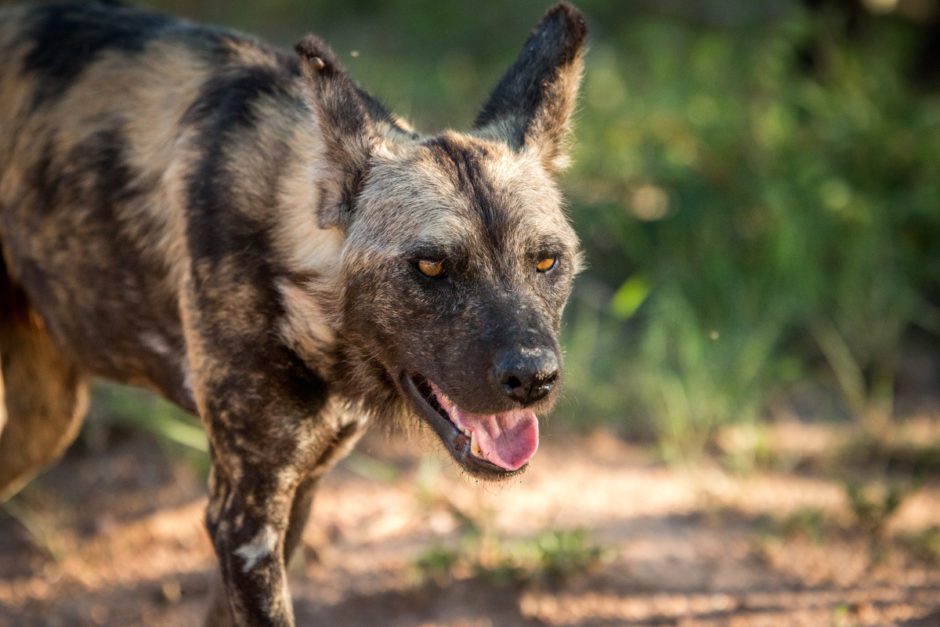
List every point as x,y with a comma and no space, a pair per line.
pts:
115,538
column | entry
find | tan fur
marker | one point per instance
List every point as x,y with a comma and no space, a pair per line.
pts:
48,398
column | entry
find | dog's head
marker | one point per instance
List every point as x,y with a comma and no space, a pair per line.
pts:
458,258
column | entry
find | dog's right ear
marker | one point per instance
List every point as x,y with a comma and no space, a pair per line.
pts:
350,136
532,105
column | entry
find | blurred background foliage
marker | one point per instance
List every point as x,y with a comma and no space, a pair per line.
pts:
756,184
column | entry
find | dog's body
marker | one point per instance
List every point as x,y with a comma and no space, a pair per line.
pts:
252,236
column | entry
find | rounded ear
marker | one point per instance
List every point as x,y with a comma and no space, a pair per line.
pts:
346,117
532,105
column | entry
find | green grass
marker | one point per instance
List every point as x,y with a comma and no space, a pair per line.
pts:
477,549
752,227
551,557
126,406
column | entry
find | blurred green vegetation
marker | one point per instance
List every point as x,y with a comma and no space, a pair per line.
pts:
763,227
757,187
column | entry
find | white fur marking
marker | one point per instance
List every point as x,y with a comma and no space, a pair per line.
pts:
188,381
155,342
261,546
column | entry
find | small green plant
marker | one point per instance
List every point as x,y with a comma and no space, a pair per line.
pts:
481,552
437,564
842,616
498,563
873,506
565,554
923,545
808,522
551,557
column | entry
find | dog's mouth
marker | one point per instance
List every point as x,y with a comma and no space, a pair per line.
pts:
494,445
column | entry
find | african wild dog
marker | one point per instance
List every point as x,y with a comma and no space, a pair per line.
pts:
253,236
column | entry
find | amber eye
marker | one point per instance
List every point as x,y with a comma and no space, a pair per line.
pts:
431,269
546,264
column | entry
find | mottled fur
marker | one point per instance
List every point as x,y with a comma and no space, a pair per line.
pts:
237,228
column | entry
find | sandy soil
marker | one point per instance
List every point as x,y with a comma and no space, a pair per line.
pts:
115,538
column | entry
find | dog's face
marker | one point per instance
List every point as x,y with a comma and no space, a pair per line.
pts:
458,258
458,267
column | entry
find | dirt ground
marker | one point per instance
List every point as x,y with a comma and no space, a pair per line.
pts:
114,537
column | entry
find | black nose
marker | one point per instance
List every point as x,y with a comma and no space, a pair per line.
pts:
527,375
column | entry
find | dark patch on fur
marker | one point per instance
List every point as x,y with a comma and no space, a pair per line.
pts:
227,100
104,153
553,44
266,383
351,190
44,177
464,164
15,306
224,107
66,38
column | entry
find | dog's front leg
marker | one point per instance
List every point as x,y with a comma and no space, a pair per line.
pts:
272,435
256,520
248,519
220,613
267,432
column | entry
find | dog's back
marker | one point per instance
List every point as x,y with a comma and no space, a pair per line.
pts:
103,107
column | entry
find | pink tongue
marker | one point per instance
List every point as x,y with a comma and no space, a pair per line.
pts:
508,440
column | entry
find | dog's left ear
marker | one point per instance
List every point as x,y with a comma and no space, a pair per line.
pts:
532,105
350,134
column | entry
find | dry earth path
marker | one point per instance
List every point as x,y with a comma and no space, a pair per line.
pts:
115,538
